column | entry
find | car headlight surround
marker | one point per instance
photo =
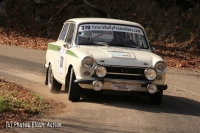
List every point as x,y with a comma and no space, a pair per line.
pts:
160,67
88,62
100,71
150,73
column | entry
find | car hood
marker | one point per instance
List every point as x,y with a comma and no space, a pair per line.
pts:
120,56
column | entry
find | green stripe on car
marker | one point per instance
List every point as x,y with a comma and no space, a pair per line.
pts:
69,52
56,48
53,47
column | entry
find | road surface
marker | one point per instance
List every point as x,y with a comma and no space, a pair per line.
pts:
179,111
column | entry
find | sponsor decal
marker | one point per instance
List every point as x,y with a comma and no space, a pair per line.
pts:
120,52
123,87
120,55
106,27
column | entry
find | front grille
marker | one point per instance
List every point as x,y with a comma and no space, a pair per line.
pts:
125,70
122,73
129,77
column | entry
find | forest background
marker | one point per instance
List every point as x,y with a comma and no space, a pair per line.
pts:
172,26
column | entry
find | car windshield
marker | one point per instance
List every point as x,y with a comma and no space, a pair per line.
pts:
111,35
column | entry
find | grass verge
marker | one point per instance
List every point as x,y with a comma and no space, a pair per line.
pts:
4,105
17,103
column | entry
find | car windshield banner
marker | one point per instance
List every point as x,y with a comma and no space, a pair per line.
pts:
107,27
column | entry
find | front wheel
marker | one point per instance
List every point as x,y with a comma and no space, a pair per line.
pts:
74,88
156,98
53,85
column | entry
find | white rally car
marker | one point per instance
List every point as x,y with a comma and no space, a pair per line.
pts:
104,54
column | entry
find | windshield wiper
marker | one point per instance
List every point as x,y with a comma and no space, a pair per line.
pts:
88,43
103,44
133,46
125,45
93,43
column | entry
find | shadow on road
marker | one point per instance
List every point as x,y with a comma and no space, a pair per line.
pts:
170,104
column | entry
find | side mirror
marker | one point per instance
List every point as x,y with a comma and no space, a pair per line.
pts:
66,45
153,49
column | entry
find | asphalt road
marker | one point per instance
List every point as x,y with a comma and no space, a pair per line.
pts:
179,111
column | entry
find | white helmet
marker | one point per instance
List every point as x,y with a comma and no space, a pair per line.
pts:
85,34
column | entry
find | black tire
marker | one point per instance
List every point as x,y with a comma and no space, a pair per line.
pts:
53,85
74,88
67,82
66,88
156,98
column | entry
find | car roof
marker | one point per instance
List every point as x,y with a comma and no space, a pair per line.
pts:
103,20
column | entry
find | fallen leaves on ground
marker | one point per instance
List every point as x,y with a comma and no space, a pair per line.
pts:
24,40
180,55
23,103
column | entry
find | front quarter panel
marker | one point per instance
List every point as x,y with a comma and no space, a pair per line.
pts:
74,57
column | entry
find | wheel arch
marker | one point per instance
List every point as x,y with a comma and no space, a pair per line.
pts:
68,74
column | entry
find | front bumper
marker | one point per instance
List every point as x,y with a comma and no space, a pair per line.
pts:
159,87
143,84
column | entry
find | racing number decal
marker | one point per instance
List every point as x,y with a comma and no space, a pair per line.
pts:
87,27
61,61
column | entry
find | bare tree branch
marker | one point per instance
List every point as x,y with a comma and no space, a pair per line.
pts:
93,6
89,4
60,10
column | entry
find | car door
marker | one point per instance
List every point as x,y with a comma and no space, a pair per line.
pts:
59,44
62,55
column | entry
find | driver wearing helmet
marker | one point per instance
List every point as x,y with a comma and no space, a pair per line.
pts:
84,37
120,38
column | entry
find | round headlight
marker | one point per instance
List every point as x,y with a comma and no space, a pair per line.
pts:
97,85
151,88
150,73
88,62
160,67
101,71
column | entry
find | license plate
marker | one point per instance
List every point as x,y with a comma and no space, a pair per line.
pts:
123,87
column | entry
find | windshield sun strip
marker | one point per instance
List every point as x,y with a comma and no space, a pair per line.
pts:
147,44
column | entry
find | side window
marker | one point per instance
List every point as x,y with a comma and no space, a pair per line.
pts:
70,32
144,43
63,32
